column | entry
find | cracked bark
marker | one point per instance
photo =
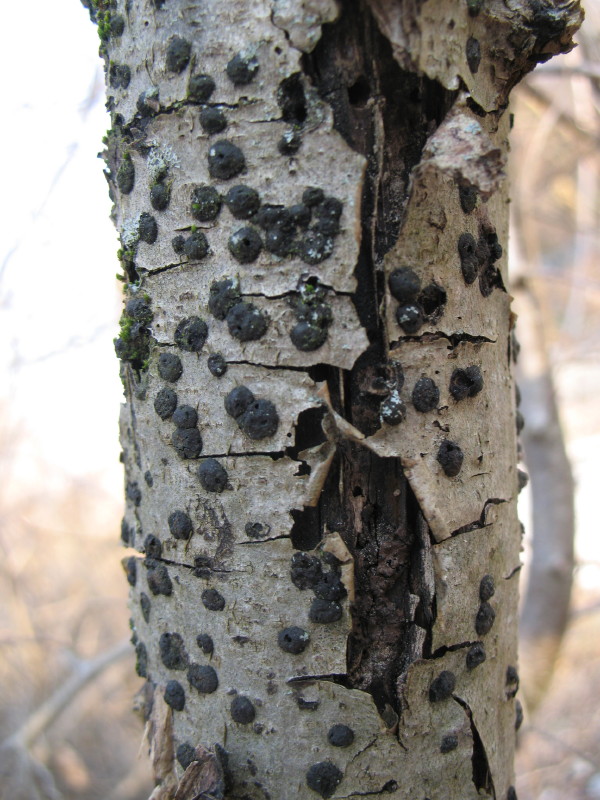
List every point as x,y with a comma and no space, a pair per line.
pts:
371,460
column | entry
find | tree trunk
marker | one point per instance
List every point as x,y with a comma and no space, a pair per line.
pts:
319,433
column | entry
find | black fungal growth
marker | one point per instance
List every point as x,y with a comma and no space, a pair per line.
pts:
466,382
152,546
147,228
245,245
191,334
126,175
475,655
485,619
217,365
186,754
225,160
158,578
179,52
212,120
487,588
469,264
314,317
195,247
442,687
172,651
473,54
205,643
135,340
165,403
180,525
222,297
203,678
213,600
468,198
242,710
256,530
425,395
213,475
246,322
293,640
242,201
340,736
175,695
324,611
185,417
450,457
242,68
258,419
146,606
170,367
119,76
206,203
141,662
404,284
160,195
324,778
449,743
200,88
187,442
130,566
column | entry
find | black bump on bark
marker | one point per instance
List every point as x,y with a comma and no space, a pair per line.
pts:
293,640
200,88
442,687
518,714
130,566
433,301
127,533
449,743
484,619
340,736
237,401
324,611
205,643
213,475
475,655
133,493
222,297
425,395
404,284
217,365
307,337
329,587
473,54
172,651
178,244
170,367
511,793
160,194
305,570
179,52
487,588
315,247
300,215
410,317
212,121
450,457
225,160
191,334
149,479
242,710
255,530
245,245
206,203
213,600
512,681
324,778
290,142
466,382
119,76
468,198
185,417
158,578
246,322
141,661
242,68
186,754
152,546
147,228
260,420
187,442
242,201
180,525
469,262
196,246
126,175
146,606
175,695
312,196
203,678
392,409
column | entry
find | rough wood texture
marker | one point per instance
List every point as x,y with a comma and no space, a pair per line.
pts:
324,596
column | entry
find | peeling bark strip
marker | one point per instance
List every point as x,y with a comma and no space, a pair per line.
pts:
318,436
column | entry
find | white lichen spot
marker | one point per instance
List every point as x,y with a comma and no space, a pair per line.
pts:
161,159
130,232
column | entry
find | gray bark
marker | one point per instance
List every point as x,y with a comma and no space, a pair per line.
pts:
348,537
